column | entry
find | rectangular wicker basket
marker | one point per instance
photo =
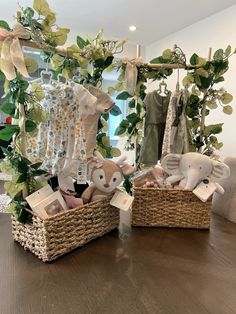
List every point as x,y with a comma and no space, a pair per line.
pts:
154,207
50,238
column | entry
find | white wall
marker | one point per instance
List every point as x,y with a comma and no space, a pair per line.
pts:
216,31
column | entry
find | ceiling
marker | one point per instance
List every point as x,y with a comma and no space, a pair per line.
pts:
154,19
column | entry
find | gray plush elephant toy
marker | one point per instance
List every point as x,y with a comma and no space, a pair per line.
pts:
191,168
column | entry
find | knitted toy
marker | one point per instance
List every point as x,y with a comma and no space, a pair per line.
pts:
106,175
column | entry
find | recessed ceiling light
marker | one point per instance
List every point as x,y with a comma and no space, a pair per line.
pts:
132,28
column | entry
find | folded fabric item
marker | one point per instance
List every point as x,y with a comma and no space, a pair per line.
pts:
71,200
151,177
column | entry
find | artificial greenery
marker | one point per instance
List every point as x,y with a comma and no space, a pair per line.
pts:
84,61
202,82
201,79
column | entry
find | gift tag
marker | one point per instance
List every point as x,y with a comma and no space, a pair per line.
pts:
122,200
38,196
205,189
82,171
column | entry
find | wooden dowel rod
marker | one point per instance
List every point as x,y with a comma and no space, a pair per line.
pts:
166,66
32,44
138,51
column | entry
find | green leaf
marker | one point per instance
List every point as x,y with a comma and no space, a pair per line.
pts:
36,165
211,104
106,141
124,124
38,173
105,116
202,72
218,55
226,98
228,51
213,129
108,61
2,76
8,108
37,90
31,64
4,24
41,7
30,126
115,152
132,118
119,130
167,54
111,90
201,61
131,103
22,178
194,59
24,85
115,111
218,80
22,167
7,133
138,108
123,96
228,109
81,42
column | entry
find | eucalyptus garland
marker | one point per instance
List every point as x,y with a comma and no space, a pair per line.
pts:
201,79
84,61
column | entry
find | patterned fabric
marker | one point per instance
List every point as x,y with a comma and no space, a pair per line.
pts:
171,115
176,138
60,138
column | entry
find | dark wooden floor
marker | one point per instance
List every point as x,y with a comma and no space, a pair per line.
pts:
132,271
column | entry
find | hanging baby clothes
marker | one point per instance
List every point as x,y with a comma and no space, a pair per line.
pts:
156,110
62,130
104,104
176,134
179,143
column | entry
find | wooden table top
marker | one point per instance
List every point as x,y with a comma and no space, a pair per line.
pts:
138,270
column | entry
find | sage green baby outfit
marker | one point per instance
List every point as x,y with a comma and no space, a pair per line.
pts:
156,111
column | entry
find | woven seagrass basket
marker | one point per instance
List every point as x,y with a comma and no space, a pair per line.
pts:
154,207
51,238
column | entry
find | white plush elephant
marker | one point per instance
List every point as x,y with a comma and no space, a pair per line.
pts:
191,168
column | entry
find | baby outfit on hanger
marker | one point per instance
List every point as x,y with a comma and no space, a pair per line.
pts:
103,104
176,134
60,137
156,111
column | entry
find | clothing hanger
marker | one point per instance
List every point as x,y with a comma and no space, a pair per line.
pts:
160,89
46,76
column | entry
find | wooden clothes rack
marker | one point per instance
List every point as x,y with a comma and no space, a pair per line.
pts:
63,52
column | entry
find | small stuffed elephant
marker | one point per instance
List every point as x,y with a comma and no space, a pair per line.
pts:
106,176
191,168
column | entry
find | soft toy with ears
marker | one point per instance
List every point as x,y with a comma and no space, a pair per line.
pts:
106,175
191,168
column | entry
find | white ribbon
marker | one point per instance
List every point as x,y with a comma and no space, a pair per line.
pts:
11,52
131,73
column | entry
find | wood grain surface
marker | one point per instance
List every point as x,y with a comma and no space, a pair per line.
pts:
138,270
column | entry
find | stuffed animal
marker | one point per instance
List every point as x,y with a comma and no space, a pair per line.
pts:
225,205
106,175
191,168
